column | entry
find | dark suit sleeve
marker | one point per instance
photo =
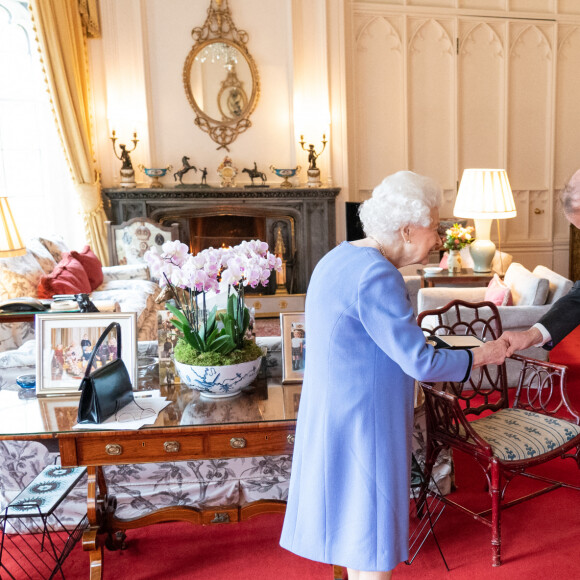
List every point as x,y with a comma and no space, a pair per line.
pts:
563,317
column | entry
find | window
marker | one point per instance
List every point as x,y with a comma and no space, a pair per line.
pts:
33,170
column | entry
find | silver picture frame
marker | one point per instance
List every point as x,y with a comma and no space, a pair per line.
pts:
293,355
64,343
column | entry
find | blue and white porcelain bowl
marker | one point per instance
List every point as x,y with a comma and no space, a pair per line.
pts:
221,381
155,172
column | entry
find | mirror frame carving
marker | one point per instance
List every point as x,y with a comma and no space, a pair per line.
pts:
219,27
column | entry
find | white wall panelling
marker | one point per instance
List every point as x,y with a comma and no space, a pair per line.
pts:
442,85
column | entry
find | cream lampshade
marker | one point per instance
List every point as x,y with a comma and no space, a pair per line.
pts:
484,195
10,243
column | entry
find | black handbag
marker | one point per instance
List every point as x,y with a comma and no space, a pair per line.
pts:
108,388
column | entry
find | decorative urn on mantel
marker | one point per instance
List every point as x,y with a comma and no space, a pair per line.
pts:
216,355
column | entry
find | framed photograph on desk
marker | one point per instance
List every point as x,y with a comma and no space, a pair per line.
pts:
293,346
65,343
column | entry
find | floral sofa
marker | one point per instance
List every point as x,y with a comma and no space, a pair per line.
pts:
128,288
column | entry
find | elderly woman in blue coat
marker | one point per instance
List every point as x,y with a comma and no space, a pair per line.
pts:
348,502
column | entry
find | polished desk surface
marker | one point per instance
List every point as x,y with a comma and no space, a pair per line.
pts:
24,416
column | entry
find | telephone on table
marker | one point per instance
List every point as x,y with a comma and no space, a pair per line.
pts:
23,304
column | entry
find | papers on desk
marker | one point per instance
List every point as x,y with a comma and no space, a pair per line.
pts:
143,411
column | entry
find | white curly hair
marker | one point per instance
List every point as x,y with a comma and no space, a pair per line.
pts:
401,199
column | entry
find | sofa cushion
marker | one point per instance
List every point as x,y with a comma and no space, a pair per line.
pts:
527,288
42,255
91,264
55,245
69,277
498,292
19,276
559,285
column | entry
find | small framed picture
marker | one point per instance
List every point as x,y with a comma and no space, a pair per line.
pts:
291,400
293,346
65,344
59,413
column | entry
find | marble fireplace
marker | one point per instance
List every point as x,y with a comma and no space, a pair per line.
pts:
299,220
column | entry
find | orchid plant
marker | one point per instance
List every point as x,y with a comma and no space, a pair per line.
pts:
191,278
457,237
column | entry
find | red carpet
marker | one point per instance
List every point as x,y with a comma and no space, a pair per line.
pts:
539,536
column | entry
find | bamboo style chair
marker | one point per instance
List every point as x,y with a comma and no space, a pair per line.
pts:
539,426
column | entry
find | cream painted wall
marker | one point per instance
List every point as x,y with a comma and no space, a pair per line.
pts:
137,71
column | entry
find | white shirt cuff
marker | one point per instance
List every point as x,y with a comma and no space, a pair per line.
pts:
546,336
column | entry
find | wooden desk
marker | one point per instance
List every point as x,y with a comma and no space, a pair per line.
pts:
467,277
260,425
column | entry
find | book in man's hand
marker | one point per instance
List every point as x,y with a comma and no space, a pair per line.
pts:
454,341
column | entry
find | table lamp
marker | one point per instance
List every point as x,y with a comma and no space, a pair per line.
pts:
10,243
484,195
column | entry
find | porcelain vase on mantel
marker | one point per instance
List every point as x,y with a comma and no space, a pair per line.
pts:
454,261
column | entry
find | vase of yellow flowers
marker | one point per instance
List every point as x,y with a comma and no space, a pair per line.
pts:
457,238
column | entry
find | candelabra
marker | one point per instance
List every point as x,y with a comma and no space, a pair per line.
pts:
313,171
127,171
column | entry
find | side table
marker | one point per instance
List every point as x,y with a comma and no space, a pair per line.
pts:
467,277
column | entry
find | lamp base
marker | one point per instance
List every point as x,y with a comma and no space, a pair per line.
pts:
482,253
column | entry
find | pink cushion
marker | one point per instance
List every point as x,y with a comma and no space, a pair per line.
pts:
92,266
68,277
498,292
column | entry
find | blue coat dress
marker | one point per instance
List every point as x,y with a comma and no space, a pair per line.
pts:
348,501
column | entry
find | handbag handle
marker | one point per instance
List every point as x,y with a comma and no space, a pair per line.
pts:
117,327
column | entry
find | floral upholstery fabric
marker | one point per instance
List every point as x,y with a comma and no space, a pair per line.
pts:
131,272
443,471
24,356
132,241
134,296
516,434
13,335
41,254
55,245
19,276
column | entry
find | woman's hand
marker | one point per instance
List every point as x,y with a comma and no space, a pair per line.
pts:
493,352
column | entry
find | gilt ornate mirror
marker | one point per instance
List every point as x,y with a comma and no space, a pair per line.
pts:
220,76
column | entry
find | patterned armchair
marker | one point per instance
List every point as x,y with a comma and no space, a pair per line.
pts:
129,241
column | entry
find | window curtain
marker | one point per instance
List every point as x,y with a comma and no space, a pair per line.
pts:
62,27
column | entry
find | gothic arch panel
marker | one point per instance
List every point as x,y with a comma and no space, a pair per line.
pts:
379,110
530,105
431,100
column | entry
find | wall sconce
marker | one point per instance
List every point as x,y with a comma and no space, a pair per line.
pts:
127,171
484,195
313,171
10,243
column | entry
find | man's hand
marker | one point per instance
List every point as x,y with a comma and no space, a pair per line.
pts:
521,340
491,353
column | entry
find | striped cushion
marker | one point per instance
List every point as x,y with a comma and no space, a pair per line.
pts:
516,434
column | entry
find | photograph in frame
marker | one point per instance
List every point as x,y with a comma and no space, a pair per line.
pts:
293,346
291,399
65,343
59,413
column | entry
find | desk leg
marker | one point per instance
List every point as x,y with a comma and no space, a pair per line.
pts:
100,512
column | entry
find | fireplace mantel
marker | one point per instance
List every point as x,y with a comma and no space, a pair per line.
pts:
309,211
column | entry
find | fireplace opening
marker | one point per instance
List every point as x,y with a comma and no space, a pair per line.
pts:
219,231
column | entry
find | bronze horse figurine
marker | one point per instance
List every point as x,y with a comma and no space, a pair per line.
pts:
186,167
254,174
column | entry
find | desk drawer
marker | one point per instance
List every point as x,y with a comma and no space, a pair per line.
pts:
135,449
249,444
